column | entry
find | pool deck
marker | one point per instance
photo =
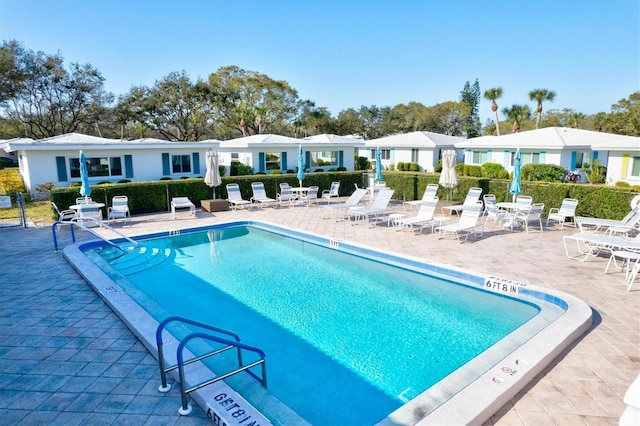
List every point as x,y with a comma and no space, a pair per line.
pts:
66,358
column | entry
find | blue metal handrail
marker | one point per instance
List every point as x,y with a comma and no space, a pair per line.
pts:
73,223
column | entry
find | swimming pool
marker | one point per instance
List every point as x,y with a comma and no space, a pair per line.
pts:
374,365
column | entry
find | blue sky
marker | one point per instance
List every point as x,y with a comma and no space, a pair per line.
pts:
348,53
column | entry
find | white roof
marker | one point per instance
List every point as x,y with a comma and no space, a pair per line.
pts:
329,139
80,141
415,140
619,143
260,140
546,138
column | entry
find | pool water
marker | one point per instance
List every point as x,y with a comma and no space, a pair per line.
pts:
348,339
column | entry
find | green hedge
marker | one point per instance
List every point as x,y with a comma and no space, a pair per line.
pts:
149,197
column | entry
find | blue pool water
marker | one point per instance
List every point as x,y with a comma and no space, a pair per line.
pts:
348,339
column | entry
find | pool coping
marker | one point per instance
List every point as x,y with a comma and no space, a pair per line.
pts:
473,404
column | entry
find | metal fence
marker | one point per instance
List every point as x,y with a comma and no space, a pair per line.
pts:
14,213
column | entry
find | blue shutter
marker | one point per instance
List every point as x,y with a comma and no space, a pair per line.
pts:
196,163
340,158
595,155
128,166
166,164
61,163
573,160
507,159
261,165
489,158
307,159
283,161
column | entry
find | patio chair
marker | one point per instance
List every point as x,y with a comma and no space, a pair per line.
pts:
533,214
119,208
352,201
378,206
592,224
566,211
492,211
83,200
64,215
260,195
285,195
429,192
311,196
523,203
235,197
182,203
425,217
592,244
473,195
469,221
327,194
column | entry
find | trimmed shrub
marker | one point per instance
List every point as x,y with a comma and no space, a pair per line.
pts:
471,170
414,167
542,172
401,166
124,181
503,174
276,172
622,184
341,169
491,170
318,170
165,178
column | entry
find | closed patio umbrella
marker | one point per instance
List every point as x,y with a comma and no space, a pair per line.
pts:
378,176
212,178
85,188
300,165
448,176
515,188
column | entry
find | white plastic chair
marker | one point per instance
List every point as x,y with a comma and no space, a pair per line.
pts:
533,214
566,211
285,195
119,208
425,217
469,221
311,196
64,215
260,195
378,206
235,197
492,211
327,194
429,192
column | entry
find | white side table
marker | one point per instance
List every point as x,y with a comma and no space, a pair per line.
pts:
393,218
628,258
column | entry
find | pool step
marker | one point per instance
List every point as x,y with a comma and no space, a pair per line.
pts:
141,259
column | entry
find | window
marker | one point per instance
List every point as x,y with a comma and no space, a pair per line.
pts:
480,157
579,160
273,161
97,166
324,158
235,156
530,158
181,163
385,154
414,155
635,168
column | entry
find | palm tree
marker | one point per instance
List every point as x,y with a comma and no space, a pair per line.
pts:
492,95
540,95
517,113
575,117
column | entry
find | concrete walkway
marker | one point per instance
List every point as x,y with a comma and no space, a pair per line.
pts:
66,359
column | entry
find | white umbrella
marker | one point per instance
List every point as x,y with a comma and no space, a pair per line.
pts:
212,178
448,177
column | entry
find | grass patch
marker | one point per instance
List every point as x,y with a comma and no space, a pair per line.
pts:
39,212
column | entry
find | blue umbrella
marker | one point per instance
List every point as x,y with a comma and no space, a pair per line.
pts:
378,165
85,189
515,188
300,165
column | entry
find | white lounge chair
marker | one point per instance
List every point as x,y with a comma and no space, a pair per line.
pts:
630,221
119,208
285,195
378,206
591,244
566,211
473,195
260,195
429,192
64,215
469,221
235,197
425,216
352,201
182,203
334,191
533,214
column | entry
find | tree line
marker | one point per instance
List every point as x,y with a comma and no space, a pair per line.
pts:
41,97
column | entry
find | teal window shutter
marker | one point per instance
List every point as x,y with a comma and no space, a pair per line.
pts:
128,166
543,154
61,163
283,161
573,160
595,155
340,158
196,163
261,164
166,164
307,159
507,159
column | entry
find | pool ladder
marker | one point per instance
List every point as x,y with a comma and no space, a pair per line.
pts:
185,409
